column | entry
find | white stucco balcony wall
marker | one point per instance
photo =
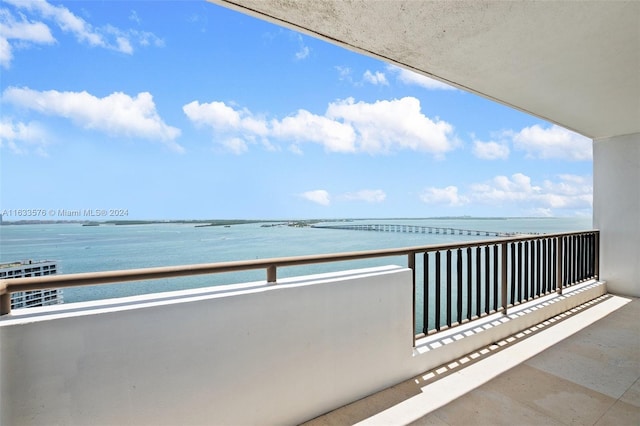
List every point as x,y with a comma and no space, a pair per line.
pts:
616,211
240,354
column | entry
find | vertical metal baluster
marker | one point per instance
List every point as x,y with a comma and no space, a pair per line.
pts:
425,296
411,264
567,260
592,239
578,260
495,278
520,272
580,257
532,271
544,266
504,285
5,303
513,273
478,281
594,253
557,268
551,262
487,279
525,273
271,274
585,257
469,283
574,259
438,292
537,268
449,291
589,248
596,261
459,284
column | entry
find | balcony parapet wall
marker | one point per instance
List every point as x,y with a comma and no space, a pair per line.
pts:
241,354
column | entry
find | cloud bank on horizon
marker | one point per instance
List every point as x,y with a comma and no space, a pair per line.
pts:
254,114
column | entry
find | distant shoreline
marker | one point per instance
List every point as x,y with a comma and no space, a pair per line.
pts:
228,222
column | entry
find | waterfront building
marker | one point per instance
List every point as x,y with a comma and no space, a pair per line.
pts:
29,268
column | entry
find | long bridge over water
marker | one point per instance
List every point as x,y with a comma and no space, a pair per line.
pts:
416,229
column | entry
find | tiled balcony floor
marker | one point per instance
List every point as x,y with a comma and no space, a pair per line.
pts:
580,368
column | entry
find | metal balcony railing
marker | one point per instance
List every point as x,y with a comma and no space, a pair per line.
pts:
489,276
476,279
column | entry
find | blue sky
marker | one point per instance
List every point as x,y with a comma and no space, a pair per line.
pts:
186,110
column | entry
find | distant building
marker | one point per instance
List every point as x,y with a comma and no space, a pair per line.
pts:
29,268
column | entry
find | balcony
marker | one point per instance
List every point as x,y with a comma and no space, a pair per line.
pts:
287,351
284,351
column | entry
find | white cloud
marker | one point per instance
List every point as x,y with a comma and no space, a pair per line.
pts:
22,31
503,188
221,117
384,126
347,126
236,127
319,196
490,150
377,78
32,29
302,53
20,137
414,79
236,145
553,142
213,114
5,53
367,195
446,196
307,127
117,114
133,16
568,192
295,149
303,50
344,73
124,45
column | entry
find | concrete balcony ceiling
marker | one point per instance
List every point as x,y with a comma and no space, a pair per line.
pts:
576,64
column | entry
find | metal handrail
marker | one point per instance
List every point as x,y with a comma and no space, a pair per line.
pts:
8,286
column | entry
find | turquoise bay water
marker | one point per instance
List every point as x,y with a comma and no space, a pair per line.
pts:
79,248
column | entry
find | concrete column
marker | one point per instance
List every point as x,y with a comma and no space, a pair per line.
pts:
616,211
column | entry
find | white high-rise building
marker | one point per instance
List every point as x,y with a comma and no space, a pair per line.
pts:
29,268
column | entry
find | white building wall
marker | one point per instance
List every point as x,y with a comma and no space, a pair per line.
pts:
616,211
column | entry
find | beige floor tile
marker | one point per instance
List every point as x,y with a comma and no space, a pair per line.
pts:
565,401
604,357
609,375
484,407
367,407
632,395
429,420
621,414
